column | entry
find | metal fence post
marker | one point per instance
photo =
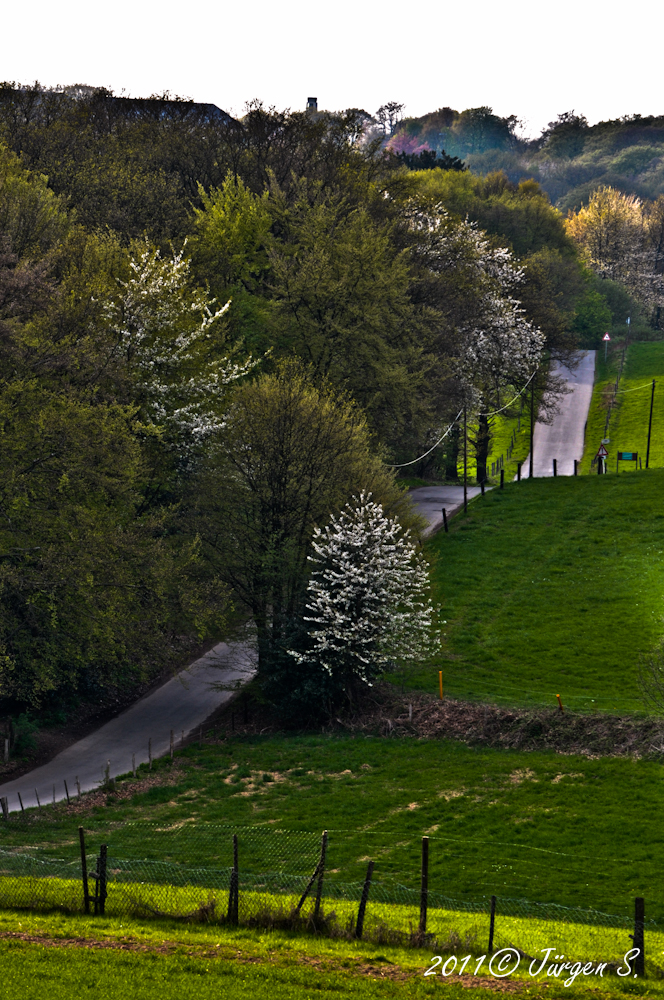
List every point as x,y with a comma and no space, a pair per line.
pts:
84,871
492,924
639,965
321,872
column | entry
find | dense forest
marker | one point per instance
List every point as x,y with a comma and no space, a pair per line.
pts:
570,159
214,332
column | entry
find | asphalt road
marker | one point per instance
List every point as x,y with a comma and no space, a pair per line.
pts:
430,500
564,438
181,704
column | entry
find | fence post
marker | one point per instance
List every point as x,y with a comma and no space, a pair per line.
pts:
20,802
321,872
576,465
66,790
424,886
233,893
103,856
445,519
5,807
639,965
492,924
84,870
518,471
555,466
359,926
502,478
171,744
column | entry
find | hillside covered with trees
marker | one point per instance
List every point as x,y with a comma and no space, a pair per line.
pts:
216,333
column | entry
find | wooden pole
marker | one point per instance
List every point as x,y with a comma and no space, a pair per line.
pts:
492,924
440,683
20,802
639,965
502,478
424,886
66,790
84,870
233,892
465,462
103,858
576,467
555,467
321,873
652,401
359,926
445,520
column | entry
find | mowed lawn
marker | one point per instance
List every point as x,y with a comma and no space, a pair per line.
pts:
552,586
537,826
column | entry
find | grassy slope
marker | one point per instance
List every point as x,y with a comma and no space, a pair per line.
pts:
538,826
552,587
166,960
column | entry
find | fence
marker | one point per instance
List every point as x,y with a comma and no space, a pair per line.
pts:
277,878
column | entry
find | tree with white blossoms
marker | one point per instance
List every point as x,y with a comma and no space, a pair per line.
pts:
496,349
171,340
367,603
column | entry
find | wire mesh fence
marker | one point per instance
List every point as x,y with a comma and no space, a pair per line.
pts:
259,876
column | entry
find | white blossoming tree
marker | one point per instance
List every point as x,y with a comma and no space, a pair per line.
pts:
169,335
368,610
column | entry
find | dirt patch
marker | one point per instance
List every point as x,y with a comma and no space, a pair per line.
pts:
386,713
360,967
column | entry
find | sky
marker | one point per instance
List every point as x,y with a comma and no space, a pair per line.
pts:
531,60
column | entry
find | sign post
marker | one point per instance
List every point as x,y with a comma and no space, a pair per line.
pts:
606,340
628,456
600,457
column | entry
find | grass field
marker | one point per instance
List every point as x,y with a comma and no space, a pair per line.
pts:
628,428
552,586
538,826
64,958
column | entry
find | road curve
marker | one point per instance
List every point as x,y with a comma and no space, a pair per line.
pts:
564,438
430,500
181,704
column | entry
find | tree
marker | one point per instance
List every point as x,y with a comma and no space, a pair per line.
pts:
170,341
292,451
389,116
367,603
617,238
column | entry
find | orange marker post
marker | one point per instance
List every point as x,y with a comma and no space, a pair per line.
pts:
440,683
560,704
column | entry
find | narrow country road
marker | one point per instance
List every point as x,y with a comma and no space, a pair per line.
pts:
430,500
181,704
564,438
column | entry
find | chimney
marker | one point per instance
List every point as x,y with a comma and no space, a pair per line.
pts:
312,104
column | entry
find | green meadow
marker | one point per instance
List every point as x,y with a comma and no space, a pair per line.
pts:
551,586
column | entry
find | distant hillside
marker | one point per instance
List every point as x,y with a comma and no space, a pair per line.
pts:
570,158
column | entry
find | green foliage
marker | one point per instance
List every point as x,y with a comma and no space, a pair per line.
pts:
292,452
32,218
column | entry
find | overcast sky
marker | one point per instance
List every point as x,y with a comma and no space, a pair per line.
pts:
532,60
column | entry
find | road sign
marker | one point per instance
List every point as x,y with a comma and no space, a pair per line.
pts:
606,337
602,453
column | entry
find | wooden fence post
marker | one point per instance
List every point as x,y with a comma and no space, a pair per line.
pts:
502,479
234,889
359,926
639,964
492,924
321,872
445,520
20,802
66,790
5,807
555,467
424,886
84,870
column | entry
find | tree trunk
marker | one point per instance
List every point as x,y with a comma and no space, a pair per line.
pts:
482,443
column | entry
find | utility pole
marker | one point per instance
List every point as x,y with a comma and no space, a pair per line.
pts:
465,462
652,400
532,424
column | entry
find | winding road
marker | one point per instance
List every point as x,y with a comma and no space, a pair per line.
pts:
180,705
